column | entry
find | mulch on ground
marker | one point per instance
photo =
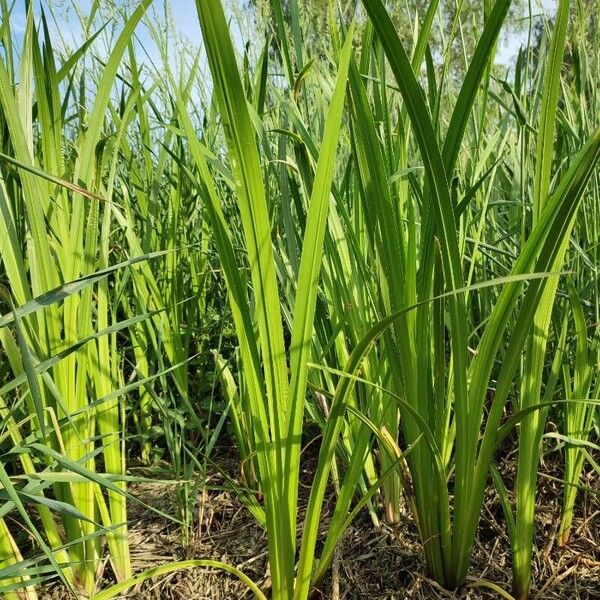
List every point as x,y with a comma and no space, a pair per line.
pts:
382,563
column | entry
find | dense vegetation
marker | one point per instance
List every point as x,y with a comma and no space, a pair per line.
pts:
347,225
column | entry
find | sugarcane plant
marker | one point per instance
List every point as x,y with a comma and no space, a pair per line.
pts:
375,248
464,433
54,234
